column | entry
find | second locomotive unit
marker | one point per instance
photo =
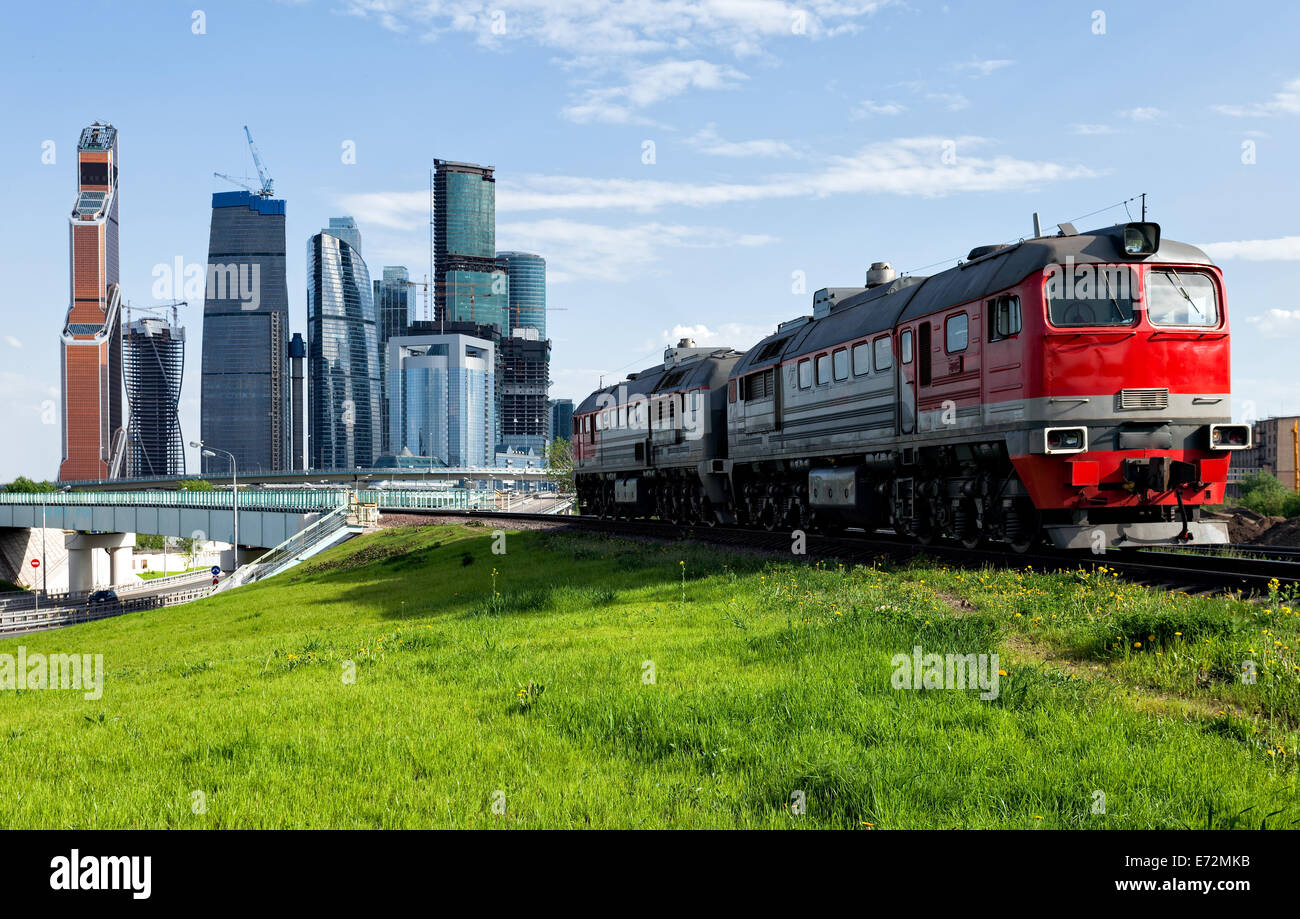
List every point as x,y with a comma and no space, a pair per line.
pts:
1070,388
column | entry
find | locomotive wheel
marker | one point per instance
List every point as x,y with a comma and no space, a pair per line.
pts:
973,535
1030,528
708,516
768,517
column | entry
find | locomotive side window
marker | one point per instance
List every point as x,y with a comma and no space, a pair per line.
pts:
760,385
884,356
1181,298
840,360
1095,295
805,374
861,359
956,333
1004,318
823,369
905,345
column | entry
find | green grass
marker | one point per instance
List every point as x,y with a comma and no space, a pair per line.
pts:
525,678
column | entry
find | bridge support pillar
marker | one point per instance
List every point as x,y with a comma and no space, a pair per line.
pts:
82,551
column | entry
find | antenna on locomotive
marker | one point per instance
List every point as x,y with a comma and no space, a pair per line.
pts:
1038,227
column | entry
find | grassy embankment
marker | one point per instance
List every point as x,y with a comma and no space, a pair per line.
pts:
523,679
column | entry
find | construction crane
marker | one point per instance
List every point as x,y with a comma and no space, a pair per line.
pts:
268,186
263,186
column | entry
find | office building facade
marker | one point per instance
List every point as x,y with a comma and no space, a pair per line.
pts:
392,308
153,366
343,359
526,274
562,419
470,282
91,342
442,400
244,392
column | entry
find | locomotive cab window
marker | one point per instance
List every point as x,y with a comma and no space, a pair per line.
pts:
840,364
861,359
823,369
1181,298
883,355
805,374
905,345
1004,318
956,333
1097,295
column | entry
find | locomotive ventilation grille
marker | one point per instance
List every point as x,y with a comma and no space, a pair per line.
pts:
1150,399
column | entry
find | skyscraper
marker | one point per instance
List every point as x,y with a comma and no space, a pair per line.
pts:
91,353
298,395
562,419
442,397
470,281
343,359
392,306
153,366
524,410
245,400
526,273
525,414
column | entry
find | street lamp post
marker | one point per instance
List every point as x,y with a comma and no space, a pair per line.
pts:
234,490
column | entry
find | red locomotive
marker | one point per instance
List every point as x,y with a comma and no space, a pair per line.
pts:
1073,388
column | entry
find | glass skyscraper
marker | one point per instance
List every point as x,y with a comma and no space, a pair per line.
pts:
471,284
392,307
527,276
442,397
244,391
343,358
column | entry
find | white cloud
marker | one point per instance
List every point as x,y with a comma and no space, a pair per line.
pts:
1283,249
868,107
916,166
1143,113
1092,129
647,85
609,39
954,102
983,68
1276,320
1286,102
709,142
738,335
577,250
13,342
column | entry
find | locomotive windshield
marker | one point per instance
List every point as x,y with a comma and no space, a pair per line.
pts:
1181,298
1090,295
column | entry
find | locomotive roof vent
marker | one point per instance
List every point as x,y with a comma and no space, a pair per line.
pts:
981,251
685,352
880,273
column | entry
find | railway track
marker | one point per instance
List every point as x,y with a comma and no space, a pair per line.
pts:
1208,570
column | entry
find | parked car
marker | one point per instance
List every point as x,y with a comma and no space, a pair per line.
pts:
103,598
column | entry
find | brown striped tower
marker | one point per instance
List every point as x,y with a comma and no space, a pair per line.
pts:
91,371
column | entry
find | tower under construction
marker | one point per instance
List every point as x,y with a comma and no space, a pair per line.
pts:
153,366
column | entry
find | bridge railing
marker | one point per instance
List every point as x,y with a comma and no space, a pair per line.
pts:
294,499
468,499
274,559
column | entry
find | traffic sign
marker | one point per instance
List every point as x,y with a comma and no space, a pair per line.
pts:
36,563
216,571
214,581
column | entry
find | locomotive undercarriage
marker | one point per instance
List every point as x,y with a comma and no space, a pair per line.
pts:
968,493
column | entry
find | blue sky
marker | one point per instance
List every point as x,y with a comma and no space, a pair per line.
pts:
788,137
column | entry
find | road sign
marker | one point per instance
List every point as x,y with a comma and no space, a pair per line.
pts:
216,571
36,563
214,581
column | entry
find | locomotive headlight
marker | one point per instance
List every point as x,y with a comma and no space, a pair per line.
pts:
1065,440
1141,238
1230,437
